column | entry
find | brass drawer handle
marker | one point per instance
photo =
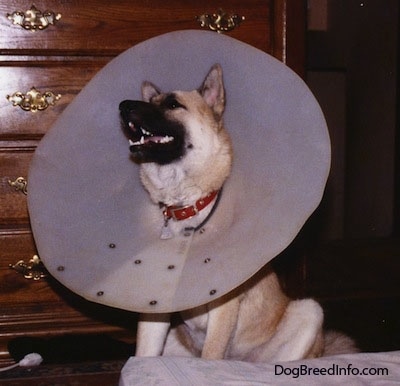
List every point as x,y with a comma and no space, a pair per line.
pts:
33,100
220,21
34,269
33,19
20,185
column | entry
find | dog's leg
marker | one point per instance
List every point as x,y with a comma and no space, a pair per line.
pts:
151,334
221,323
298,334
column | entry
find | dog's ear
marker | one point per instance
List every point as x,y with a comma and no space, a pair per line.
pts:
149,91
212,90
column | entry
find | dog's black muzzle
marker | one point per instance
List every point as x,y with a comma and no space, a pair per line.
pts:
152,136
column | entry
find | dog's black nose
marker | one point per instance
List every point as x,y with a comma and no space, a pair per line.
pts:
124,105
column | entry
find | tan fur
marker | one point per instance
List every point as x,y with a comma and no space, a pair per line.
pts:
256,321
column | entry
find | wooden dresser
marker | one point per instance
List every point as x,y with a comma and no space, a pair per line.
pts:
48,52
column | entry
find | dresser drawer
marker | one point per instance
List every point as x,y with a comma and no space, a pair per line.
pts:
65,79
14,287
14,164
43,308
92,26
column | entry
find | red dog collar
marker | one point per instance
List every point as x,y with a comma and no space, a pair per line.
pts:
179,213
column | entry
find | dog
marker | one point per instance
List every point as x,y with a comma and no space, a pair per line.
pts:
185,156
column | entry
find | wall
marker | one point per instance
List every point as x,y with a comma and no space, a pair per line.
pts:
360,43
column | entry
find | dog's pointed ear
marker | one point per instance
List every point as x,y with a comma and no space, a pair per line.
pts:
212,90
149,91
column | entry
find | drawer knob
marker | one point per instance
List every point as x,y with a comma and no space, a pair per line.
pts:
33,100
34,19
220,21
20,185
33,269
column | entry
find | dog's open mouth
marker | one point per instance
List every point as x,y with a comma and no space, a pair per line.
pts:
146,137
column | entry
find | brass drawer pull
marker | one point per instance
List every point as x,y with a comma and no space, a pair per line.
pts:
20,185
220,21
34,269
33,100
33,19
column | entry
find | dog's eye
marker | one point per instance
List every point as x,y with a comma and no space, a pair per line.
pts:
171,103
174,104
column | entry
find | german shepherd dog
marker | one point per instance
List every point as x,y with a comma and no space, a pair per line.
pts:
185,155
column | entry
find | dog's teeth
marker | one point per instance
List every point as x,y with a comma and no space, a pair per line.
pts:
131,125
141,142
165,139
145,132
